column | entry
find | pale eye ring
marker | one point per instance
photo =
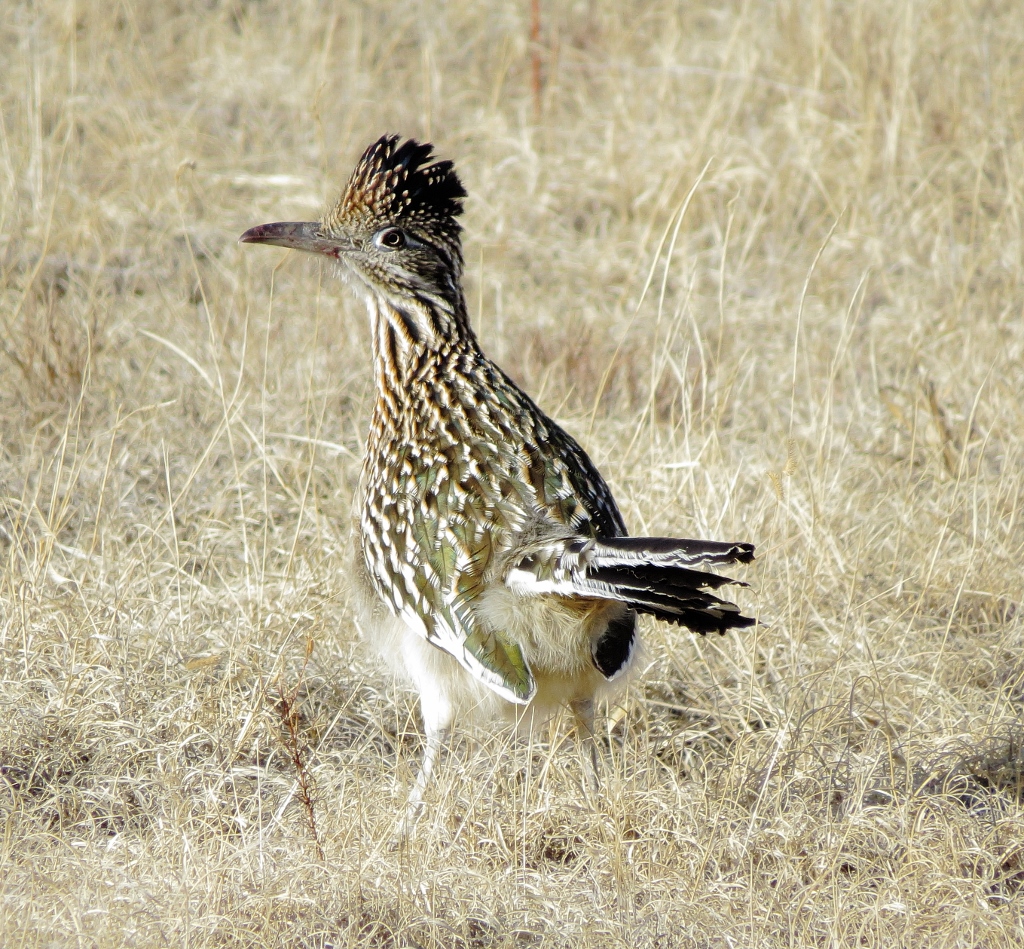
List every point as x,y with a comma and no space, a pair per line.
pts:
391,238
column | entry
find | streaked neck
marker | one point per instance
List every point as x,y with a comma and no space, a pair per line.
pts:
410,334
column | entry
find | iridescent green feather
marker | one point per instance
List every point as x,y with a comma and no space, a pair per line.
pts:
502,657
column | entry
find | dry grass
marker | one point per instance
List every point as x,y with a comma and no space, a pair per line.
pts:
828,360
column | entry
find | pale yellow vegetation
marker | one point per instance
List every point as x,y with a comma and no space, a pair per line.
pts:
828,360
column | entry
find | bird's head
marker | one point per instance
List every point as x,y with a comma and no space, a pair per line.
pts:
395,227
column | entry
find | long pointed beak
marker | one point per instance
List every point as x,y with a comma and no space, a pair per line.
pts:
298,235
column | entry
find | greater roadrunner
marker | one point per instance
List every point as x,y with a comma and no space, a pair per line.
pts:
495,564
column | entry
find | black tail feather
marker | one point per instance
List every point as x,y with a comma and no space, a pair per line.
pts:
673,551
655,575
652,575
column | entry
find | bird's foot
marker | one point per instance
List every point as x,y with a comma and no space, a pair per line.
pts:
405,829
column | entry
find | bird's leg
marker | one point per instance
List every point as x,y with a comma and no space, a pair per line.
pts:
437,722
430,753
583,719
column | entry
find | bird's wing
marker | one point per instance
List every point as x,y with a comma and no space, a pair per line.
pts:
588,485
557,467
504,475
538,482
486,653
436,568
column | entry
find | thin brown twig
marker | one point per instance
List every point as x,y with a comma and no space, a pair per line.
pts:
536,79
288,707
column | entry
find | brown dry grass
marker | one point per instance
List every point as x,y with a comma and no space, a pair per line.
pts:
828,361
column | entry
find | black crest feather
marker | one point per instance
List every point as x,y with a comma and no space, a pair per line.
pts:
397,182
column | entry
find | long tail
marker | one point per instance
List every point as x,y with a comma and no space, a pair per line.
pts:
657,576
653,575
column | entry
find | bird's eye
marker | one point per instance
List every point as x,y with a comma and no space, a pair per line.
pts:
391,238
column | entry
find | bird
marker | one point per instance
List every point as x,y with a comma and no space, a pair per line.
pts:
492,565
